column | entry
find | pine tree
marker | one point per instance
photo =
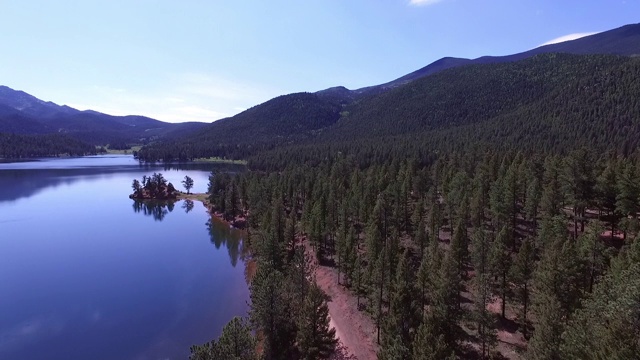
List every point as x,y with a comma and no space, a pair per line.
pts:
420,238
299,271
435,220
478,203
578,184
376,292
232,201
499,207
510,196
315,338
546,340
608,325
522,276
236,342
460,251
290,232
552,199
444,305
500,263
269,313
607,191
401,316
593,254
484,319
428,343
628,199
534,193
423,285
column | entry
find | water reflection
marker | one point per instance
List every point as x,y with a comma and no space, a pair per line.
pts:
222,234
20,180
101,276
156,208
187,205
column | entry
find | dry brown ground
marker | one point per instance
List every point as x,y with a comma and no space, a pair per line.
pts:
355,330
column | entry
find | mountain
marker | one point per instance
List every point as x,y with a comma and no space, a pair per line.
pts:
30,105
282,120
547,94
22,113
536,100
624,40
450,96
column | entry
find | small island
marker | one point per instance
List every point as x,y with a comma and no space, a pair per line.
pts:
154,187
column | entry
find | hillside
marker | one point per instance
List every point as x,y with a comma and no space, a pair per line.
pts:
15,146
283,120
548,96
22,113
624,40
548,103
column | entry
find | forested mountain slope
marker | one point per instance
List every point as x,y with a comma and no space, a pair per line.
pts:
283,120
588,99
548,103
24,146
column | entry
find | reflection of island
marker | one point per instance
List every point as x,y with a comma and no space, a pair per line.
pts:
160,208
156,208
222,234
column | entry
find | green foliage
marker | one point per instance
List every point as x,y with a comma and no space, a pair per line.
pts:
608,325
14,146
546,341
187,183
383,239
428,344
315,338
522,275
270,313
235,343
153,187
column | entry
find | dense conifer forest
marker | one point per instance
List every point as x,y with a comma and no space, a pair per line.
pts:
444,256
16,146
480,201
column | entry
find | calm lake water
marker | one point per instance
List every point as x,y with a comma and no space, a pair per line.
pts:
86,273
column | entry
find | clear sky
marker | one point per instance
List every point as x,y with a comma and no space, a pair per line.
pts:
185,60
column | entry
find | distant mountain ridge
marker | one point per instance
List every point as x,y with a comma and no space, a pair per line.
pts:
29,105
22,113
624,40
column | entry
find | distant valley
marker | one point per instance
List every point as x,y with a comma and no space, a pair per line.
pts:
24,114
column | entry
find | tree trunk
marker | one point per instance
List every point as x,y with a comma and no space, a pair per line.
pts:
504,293
575,223
524,311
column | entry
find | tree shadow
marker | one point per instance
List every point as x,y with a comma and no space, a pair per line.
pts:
342,353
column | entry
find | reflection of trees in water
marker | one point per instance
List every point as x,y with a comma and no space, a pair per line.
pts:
187,205
157,209
222,234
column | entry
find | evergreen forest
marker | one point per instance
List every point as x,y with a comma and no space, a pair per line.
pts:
475,204
444,257
15,146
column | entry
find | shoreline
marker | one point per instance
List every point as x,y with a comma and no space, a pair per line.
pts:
354,330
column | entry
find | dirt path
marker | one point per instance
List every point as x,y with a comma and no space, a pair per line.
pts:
354,328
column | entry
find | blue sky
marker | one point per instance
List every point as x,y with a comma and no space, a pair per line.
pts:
205,60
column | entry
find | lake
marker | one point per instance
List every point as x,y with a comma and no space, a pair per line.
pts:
87,273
